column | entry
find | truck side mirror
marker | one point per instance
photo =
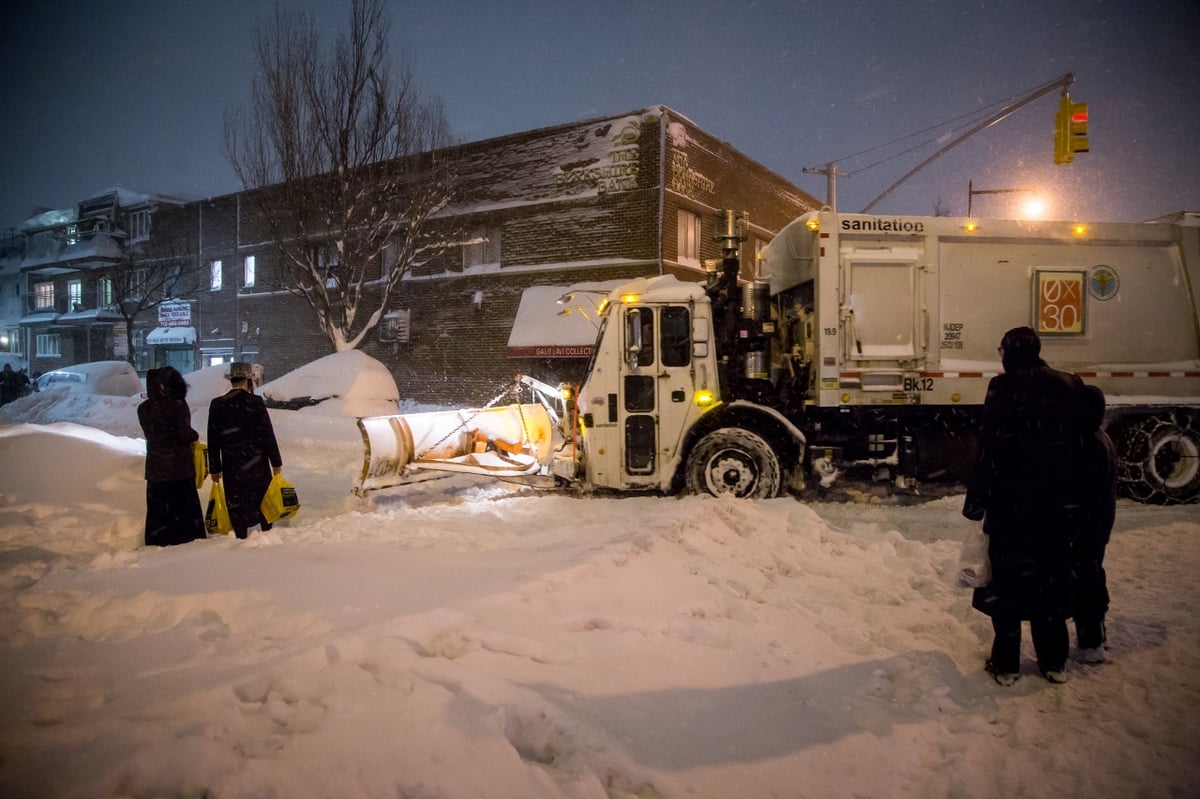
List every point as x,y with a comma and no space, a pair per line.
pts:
633,336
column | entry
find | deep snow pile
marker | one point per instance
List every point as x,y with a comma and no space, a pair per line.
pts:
460,637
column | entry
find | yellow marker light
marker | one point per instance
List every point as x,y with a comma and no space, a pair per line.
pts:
955,397
1079,230
704,398
813,224
566,393
629,299
845,398
971,226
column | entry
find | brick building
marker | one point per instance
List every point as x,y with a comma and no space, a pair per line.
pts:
590,202
64,275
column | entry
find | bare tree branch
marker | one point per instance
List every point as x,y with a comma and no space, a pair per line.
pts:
342,159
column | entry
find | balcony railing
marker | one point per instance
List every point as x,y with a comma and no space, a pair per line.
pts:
79,251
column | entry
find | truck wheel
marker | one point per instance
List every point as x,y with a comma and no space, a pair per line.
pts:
733,461
1160,462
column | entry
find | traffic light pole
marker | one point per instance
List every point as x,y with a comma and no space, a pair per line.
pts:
1064,82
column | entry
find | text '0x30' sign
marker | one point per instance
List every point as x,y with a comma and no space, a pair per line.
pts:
1060,301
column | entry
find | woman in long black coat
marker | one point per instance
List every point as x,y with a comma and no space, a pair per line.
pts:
1025,490
173,513
242,449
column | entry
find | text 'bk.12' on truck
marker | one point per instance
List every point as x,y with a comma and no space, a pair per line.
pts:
869,346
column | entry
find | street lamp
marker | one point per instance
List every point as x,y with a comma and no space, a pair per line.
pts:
972,191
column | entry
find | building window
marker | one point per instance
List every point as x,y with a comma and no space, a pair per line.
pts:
689,238
14,341
48,345
139,225
174,277
104,291
482,248
248,271
43,296
325,257
215,273
74,295
388,260
138,280
72,235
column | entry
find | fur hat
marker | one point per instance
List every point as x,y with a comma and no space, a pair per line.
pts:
240,370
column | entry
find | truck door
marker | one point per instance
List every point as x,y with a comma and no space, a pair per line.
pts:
655,389
883,315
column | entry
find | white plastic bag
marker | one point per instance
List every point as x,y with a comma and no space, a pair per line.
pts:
974,566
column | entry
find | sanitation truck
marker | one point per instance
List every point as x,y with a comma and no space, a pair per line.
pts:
866,346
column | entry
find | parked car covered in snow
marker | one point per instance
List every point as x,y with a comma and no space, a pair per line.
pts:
114,378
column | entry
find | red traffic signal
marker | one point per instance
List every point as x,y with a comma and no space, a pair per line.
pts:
1070,130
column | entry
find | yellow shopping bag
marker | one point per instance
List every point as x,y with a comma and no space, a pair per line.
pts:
280,501
216,518
200,460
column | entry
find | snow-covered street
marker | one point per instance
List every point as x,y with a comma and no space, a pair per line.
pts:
464,637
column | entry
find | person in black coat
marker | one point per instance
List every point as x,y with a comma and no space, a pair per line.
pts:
1098,506
242,449
1024,489
173,513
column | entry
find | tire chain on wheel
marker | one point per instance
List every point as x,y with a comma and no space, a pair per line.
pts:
1135,447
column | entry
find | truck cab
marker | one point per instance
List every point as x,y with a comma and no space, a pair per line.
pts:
653,413
652,376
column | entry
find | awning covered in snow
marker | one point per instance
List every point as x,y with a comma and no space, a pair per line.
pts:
558,321
172,335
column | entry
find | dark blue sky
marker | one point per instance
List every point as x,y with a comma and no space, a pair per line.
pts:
132,93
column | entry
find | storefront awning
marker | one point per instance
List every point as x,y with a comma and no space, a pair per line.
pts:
171,335
547,328
38,318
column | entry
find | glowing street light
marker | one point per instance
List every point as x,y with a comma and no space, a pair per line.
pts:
1034,208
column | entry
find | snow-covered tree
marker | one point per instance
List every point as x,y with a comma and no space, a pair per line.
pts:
345,164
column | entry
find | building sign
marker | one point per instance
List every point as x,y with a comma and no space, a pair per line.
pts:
1059,304
120,342
687,181
174,313
551,351
613,170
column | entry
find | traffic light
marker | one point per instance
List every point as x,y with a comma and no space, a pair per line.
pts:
1070,130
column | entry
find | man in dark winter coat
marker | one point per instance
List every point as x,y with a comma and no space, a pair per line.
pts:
173,513
13,385
242,449
1024,490
1098,510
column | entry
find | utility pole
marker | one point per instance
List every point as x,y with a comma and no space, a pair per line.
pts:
831,175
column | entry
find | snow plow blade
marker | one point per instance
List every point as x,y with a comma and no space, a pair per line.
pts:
505,441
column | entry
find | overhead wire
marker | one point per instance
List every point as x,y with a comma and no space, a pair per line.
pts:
969,118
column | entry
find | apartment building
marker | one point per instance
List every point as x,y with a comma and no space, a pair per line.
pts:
537,216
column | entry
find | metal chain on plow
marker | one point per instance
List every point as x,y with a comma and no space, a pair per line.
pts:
511,389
